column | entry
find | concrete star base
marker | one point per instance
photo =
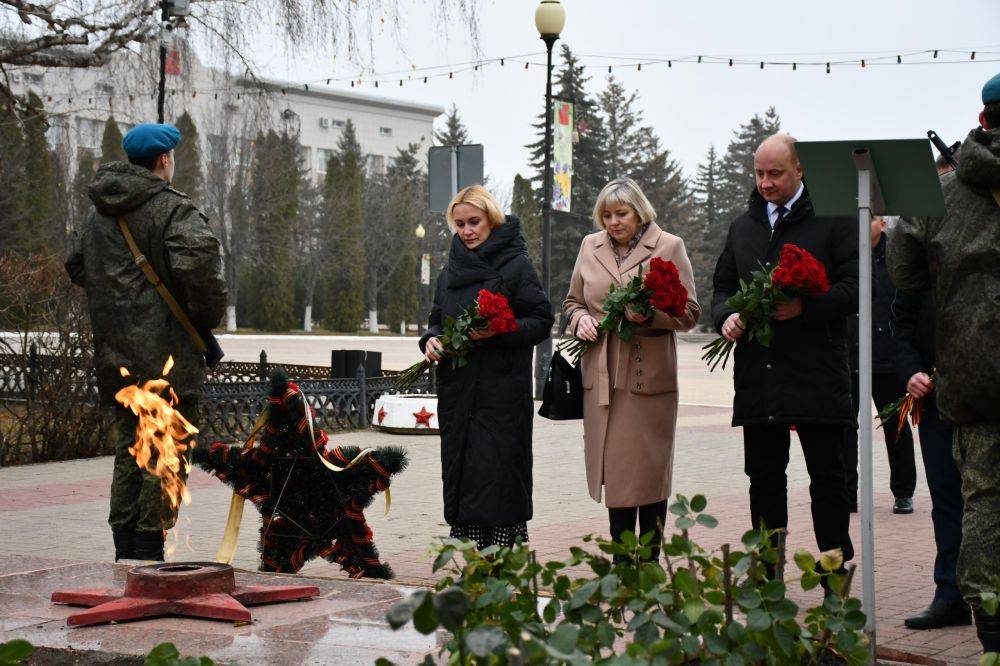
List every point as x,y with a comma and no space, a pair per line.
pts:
196,589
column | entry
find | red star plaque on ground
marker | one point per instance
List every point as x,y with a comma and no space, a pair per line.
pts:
381,415
423,416
197,589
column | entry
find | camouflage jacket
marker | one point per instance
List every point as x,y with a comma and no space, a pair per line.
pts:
133,327
958,257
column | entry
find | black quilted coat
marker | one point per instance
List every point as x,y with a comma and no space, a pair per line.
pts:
485,408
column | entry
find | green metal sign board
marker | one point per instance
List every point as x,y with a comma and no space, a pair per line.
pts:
904,169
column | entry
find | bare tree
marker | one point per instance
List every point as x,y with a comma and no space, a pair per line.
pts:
89,33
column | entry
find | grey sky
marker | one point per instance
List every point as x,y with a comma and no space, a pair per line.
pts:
693,106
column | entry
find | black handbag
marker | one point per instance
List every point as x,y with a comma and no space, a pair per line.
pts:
562,396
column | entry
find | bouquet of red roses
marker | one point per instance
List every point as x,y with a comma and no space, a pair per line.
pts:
659,289
798,273
490,312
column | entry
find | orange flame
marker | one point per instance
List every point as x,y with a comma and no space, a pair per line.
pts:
162,434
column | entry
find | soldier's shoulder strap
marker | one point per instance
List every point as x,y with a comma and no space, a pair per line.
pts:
154,279
176,191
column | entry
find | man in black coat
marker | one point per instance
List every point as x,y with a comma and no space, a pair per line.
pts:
886,386
913,329
803,378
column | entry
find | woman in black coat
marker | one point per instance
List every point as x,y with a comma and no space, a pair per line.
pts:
485,408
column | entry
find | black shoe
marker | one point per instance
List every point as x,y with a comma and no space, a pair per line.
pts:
149,546
941,613
903,505
988,630
124,545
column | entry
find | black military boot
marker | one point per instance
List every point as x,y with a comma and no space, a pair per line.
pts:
988,630
124,544
149,546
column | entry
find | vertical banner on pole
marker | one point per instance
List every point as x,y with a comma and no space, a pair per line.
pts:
562,155
425,269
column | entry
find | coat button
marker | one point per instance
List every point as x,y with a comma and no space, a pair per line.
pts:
770,418
638,373
638,387
638,359
768,366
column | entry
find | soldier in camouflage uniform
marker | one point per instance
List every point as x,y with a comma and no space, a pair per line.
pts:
958,257
132,325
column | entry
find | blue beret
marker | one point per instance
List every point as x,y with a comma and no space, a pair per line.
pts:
991,91
150,140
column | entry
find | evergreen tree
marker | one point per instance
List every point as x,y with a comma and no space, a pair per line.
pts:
268,291
404,178
590,171
621,119
343,237
705,242
736,174
11,176
455,133
44,224
111,142
524,206
188,174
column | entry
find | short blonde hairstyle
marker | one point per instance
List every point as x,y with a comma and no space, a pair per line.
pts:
623,191
478,196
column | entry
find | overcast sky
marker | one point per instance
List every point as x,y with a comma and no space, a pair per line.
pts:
694,106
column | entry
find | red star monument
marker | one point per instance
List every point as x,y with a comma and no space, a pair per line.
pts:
423,416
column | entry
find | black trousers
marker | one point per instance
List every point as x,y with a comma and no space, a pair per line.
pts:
886,389
947,506
765,455
651,519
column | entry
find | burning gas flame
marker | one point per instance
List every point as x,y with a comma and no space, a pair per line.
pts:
162,435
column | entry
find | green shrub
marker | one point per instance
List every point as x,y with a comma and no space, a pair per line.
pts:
701,607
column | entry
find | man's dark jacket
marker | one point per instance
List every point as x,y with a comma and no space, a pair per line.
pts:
803,377
133,327
913,330
884,295
957,257
485,408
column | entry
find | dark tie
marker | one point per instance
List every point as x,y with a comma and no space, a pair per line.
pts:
781,215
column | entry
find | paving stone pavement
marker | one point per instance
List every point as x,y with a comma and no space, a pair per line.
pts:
59,510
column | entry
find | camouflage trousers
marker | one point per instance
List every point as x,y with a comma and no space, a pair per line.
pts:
137,502
977,452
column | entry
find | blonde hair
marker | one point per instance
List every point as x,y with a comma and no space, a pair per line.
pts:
478,196
623,191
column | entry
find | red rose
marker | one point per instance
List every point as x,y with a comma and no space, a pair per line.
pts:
781,277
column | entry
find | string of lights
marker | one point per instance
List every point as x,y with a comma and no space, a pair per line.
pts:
827,61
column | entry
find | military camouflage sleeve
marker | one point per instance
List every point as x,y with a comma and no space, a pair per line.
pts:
906,256
196,265
74,258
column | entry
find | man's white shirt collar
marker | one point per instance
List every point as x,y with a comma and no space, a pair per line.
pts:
772,208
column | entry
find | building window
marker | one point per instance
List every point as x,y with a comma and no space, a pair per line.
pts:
105,89
32,79
89,132
337,124
322,159
385,131
305,158
375,164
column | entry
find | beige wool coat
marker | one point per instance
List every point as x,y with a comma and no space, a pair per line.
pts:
630,389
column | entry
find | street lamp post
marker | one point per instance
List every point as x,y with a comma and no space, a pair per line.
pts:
420,232
169,9
550,17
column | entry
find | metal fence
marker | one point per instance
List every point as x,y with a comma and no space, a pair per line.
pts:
235,392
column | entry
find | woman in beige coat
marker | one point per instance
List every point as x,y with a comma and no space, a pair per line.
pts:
630,389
